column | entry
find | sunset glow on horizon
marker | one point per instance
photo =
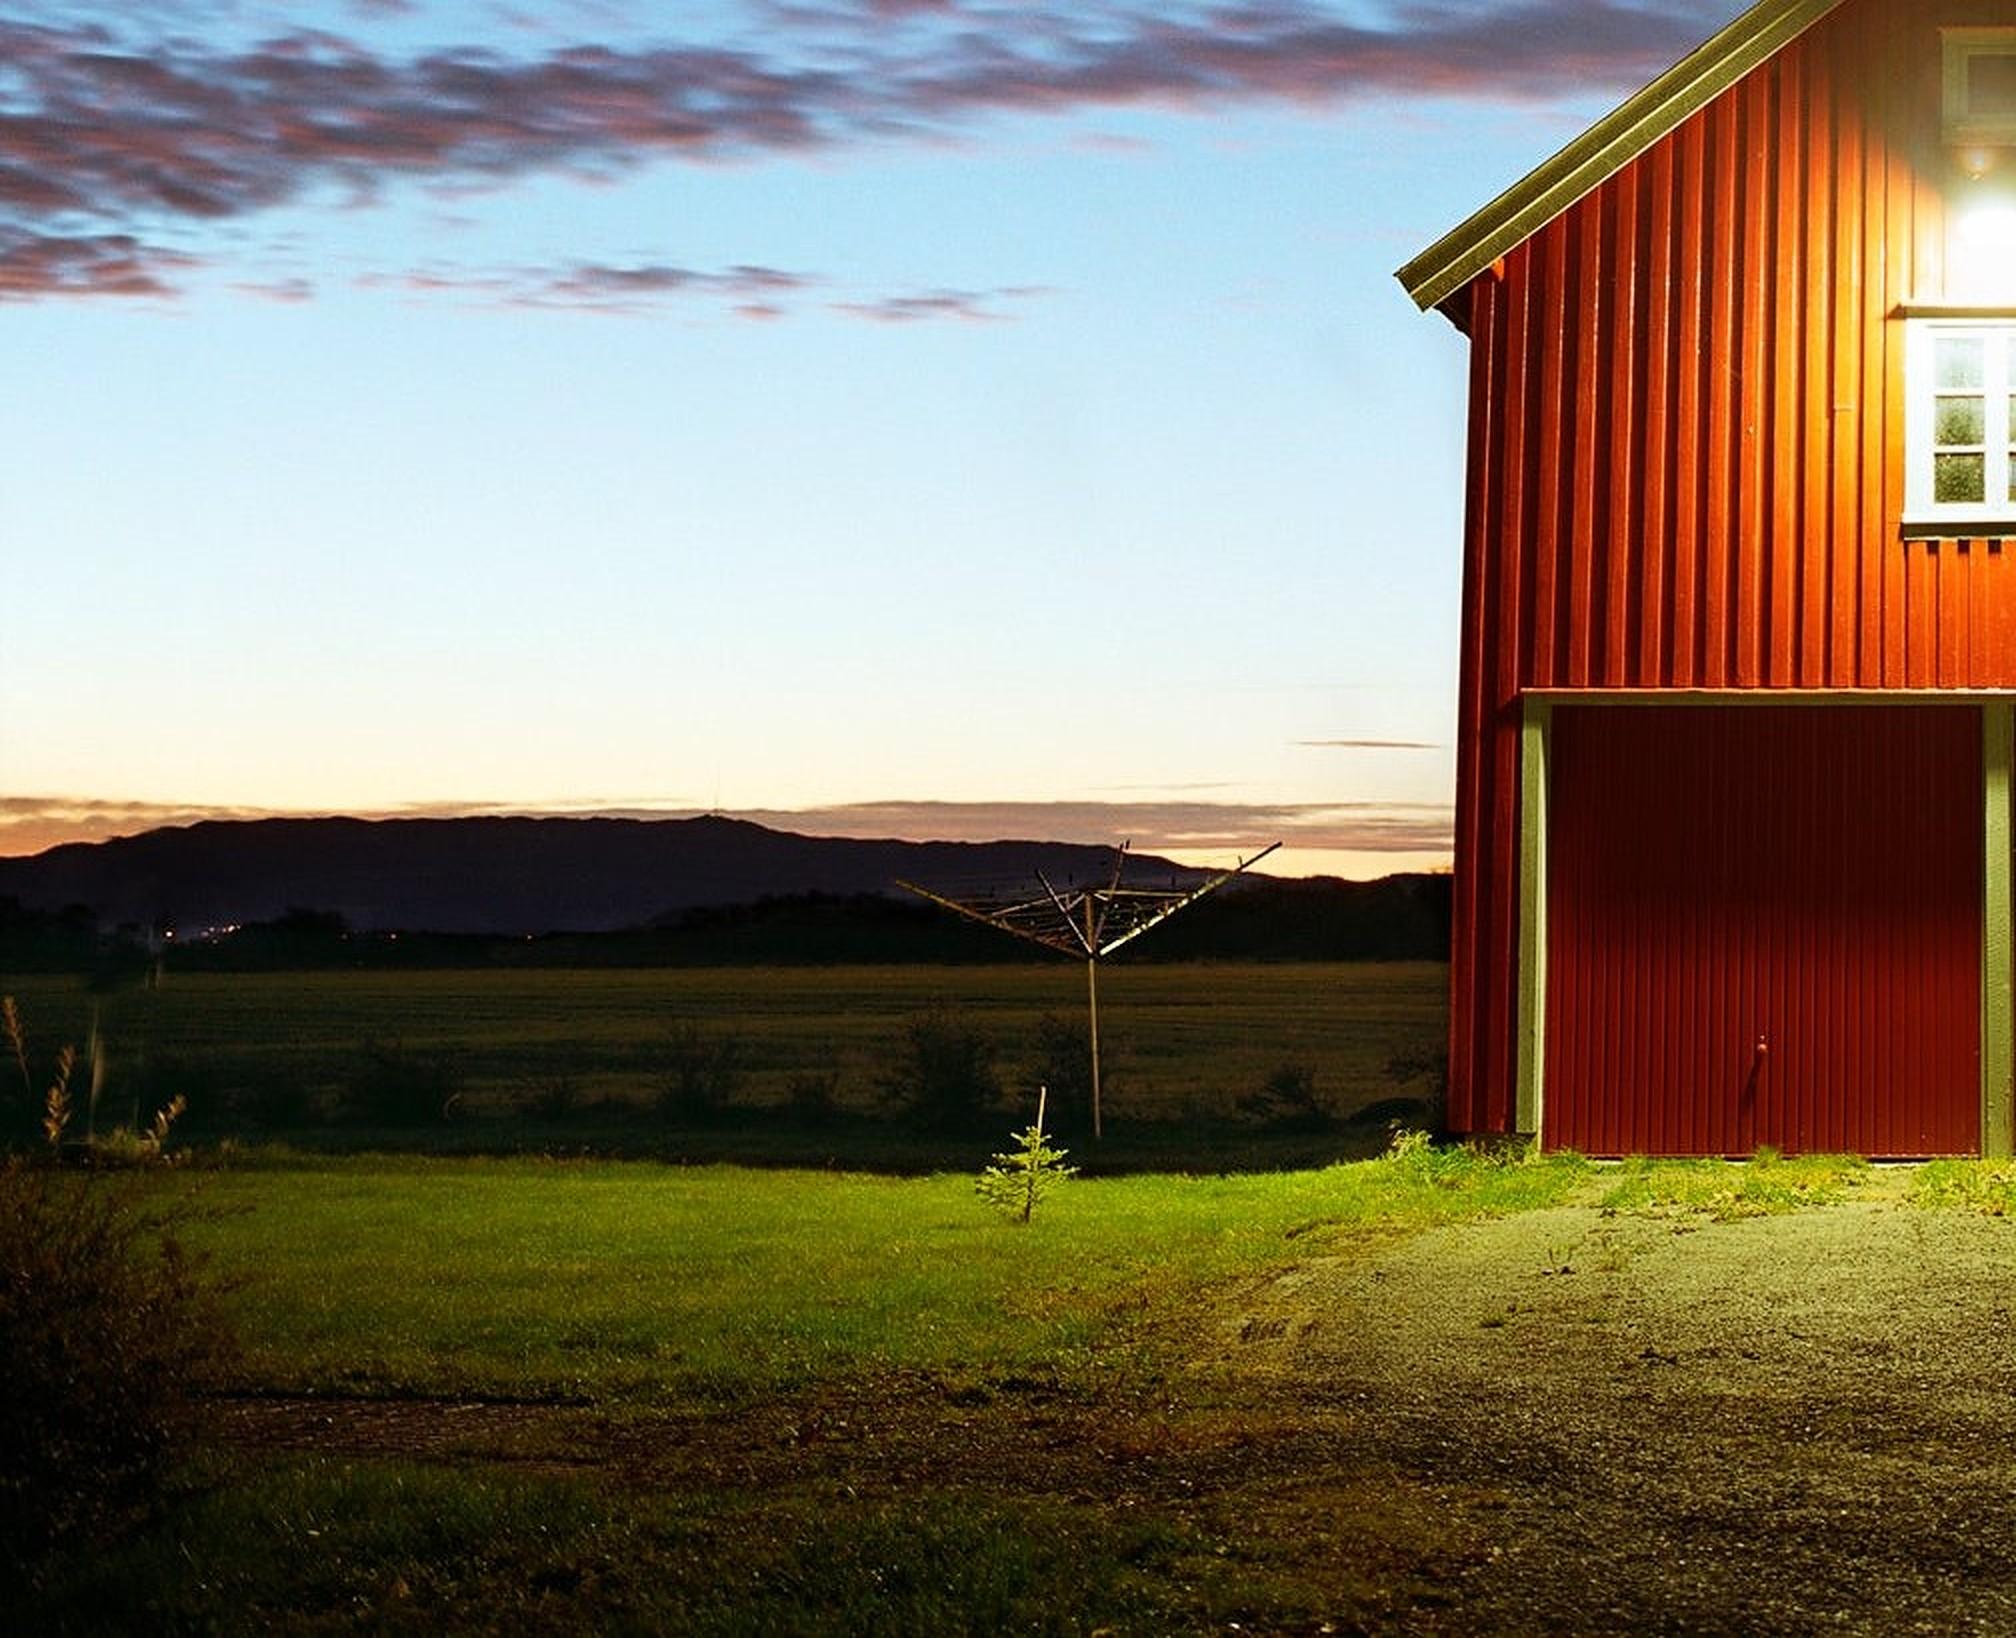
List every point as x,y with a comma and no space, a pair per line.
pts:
937,415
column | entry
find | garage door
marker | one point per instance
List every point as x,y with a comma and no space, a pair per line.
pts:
1763,927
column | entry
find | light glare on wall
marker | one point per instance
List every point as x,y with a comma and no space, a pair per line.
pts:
1982,250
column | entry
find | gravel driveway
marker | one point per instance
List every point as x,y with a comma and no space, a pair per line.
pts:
1797,1423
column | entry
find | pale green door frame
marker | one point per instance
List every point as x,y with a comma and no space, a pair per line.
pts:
1535,730
1998,948
1998,984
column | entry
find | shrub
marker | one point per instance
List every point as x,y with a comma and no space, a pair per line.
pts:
555,1099
1287,1100
272,1101
814,1099
703,1074
1433,1067
1064,1063
106,1331
943,1078
391,1086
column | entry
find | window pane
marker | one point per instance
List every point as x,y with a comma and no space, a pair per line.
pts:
1956,361
1991,84
1959,421
2012,474
1959,478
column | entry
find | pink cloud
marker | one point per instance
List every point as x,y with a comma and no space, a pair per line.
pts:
34,266
1153,826
105,128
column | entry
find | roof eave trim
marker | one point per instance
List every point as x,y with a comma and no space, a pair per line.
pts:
1607,147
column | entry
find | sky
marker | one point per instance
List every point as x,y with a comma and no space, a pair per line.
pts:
933,418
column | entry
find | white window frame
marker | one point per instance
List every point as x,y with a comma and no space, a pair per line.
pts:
1998,382
1962,126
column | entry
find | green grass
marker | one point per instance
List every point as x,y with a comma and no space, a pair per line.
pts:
321,1545
637,1282
1767,1184
968,1383
815,1402
1182,1042
1987,1186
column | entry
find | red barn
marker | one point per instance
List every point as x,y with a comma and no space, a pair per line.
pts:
1739,615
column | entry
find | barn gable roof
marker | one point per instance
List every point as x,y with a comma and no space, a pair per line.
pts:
1616,139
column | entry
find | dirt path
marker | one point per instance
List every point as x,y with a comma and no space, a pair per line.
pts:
1782,1424
1558,1422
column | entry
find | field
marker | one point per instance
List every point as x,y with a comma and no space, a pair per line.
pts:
1182,1044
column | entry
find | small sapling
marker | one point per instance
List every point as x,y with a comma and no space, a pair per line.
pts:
1023,1175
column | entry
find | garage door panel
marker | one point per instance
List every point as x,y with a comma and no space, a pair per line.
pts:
1764,927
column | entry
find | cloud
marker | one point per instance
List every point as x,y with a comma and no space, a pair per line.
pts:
31,823
1184,785
285,292
1368,744
1178,826
591,283
604,288
34,266
106,133
964,306
751,292
28,824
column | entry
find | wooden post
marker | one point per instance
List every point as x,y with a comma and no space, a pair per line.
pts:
1092,1004
1092,997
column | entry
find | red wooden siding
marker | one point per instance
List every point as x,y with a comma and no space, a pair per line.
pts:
1809,878
1686,446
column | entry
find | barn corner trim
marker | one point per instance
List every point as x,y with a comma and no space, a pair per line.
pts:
1998,971
1446,267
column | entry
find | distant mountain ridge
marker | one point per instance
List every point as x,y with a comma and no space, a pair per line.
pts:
509,875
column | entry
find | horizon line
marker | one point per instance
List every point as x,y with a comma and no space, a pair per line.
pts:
31,825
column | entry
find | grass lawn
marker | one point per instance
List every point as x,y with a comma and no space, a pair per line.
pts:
626,1281
587,1396
592,1396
